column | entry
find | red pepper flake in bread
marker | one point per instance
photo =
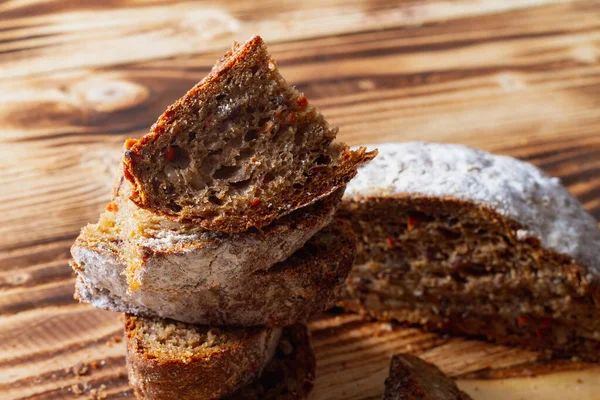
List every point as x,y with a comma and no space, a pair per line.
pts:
302,102
546,323
290,118
112,207
413,221
255,202
170,154
522,320
390,242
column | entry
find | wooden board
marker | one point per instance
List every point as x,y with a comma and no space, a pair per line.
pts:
77,78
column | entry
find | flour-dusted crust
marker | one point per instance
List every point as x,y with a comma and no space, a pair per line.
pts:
514,189
466,242
309,281
169,256
412,378
227,360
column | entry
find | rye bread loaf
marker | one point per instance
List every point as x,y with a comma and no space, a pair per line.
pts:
311,280
172,360
163,255
463,241
412,378
239,150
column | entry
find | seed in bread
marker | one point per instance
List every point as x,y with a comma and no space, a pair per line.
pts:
467,242
239,150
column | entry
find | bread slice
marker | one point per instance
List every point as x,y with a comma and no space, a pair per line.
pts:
164,255
309,281
173,360
239,150
463,241
411,378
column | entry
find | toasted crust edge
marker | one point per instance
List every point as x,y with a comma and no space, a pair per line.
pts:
221,372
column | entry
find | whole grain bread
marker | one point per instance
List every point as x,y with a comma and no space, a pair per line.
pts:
311,280
466,242
172,360
239,150
412,378
168,256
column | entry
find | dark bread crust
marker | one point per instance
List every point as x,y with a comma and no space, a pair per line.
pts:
412,378
290,374
217,372
323,179
538,299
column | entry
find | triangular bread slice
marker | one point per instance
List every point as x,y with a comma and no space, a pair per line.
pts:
468,242
239,150
309,281
169,360
412,378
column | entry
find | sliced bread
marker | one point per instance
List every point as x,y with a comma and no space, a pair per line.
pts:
172,360
168,256
463,241
412,378
311,280
239,150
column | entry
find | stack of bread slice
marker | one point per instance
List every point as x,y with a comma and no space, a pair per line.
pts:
220,241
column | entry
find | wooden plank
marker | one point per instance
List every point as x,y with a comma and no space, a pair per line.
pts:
455,82
353,358
60,34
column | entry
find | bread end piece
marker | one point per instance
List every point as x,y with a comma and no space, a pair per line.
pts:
412,378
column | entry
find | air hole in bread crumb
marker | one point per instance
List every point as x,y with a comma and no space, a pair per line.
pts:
241,185
251,135
174,207
269,177
226,172
215,200
178,157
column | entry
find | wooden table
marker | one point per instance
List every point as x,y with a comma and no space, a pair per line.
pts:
515,77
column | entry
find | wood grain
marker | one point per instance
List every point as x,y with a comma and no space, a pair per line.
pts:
44,38
76,79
